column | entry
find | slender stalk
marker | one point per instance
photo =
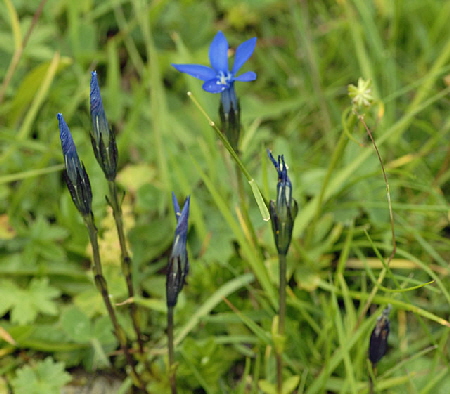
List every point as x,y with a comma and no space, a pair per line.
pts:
282,293
126,262
102,287
244,209
392,223
372,377
170,345
281,319
336,156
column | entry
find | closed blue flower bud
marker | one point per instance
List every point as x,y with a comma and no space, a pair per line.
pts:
178,262
378,345
284,210
76,177
102,138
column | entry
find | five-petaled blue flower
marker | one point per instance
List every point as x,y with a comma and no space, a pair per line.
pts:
218,78
178,261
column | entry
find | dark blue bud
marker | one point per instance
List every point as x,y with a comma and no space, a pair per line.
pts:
178,267
378,345
284,210
102,138
77,179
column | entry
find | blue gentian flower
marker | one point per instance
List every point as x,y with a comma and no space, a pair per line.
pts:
102,138
178,261
76,177
218,78
284,210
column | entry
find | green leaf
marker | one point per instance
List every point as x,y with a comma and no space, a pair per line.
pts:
103,331
46,377
267,387
25,304
290,384
77,325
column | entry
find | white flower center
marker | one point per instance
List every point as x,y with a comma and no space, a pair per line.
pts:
225,78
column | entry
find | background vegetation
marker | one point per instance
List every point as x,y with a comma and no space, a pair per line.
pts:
52,319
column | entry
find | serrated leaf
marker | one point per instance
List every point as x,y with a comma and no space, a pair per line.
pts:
25,304
46,377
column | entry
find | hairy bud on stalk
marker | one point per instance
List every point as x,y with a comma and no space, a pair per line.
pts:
102,138
284,210
378,339
76,176
178,261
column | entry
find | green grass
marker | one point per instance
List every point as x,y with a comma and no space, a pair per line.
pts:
307,54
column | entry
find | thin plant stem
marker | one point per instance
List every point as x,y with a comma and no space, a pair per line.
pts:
244,209
281,319
282,293
336,156
372,377
170,345
126,262
391,217
102,287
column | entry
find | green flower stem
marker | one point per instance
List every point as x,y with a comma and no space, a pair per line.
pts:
244,210
281,320
126,262
102,287
170,345
282,293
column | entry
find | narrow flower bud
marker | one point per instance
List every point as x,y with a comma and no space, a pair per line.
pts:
378,339
284,210
76,177
230,116
102,138
178,262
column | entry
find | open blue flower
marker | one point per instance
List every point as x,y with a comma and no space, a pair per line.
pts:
218,78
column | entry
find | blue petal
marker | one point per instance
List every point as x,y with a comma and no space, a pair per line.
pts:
196,70
67,144
218,53
95,97
214,86
99,122
243,52
182,225
176,207
274,162
246,77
